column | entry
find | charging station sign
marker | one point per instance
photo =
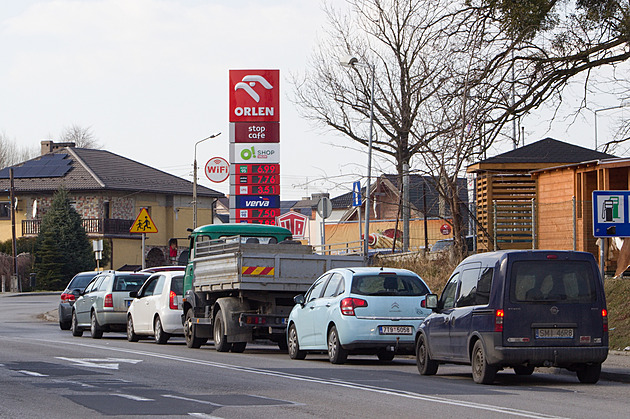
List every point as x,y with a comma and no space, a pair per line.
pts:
610,213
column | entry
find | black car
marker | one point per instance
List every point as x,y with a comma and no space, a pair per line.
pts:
78,282
520,310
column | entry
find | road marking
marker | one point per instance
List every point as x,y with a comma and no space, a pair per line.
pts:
191,400
32,373
305,378
205,416
132,397
105,363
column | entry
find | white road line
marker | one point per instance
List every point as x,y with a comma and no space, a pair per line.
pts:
188,399
32,373
336,383
203,415
132,397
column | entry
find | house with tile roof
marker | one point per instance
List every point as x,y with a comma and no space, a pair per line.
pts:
108,191
507,193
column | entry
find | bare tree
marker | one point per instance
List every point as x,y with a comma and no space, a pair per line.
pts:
82,137
11,153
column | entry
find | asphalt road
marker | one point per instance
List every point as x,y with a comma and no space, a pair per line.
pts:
46,372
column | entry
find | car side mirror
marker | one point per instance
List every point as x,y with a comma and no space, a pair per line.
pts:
133,294
431,301
299,299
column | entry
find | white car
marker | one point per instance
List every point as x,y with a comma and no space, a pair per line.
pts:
157,307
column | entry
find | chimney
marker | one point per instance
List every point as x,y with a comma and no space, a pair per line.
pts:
49,146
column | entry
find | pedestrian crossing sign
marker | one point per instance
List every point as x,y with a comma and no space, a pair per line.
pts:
143,223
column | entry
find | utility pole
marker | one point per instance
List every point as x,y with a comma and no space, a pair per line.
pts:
12,197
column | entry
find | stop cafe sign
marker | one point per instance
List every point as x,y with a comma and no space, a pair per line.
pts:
445,229
217,169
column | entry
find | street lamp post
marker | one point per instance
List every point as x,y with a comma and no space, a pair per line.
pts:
350,61
195,178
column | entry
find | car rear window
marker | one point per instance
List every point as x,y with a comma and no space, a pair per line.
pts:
552,280
177,284
389,284
129,282
81,281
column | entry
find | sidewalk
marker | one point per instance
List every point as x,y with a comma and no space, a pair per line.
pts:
617,366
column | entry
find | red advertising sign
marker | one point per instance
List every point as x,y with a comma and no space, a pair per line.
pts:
254,95
217,169
256,190
295,222
254,213
268,221
445,229
255,132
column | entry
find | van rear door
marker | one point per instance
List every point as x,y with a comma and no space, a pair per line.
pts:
553,299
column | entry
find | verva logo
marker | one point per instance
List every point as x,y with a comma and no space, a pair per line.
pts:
254,95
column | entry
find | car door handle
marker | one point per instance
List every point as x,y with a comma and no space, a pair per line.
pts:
327,304
312,307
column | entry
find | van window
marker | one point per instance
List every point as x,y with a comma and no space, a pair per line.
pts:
552,281
468,288
483,287
448,295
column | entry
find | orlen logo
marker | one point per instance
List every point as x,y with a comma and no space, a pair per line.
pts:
252,153
254,95
248,84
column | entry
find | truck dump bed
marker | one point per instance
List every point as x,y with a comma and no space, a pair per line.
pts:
223,265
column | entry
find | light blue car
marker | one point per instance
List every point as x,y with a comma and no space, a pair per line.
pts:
358,311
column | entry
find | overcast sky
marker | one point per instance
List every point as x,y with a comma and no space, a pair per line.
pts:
150,78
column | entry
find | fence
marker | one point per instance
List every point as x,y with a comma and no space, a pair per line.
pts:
91,226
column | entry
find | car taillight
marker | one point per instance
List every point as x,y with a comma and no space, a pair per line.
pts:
172,301
67,297
109,301
349,304
498,320
605,319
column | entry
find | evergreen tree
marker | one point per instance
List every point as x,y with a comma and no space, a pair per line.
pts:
62,248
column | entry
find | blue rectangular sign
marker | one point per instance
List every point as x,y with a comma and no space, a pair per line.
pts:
610,213
356,194
255,201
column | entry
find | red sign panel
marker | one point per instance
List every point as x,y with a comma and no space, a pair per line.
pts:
255,132
257,168
268,221
257,190
257,179
254,95
257,213
295,222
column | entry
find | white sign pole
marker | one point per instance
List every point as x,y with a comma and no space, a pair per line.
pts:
143,258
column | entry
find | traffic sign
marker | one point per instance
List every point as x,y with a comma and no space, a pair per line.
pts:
143,223
356,194
217,169
294,221
324,207
445,229
610,213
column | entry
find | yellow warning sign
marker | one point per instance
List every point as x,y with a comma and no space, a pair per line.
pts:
143,224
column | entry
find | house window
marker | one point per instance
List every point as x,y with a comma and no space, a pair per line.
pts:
5,211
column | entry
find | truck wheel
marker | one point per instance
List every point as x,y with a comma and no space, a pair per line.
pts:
220,339
161,337
426,366
294,345
192,341
95,329
131,334
482,372
76,330
589,373
336,354
239,347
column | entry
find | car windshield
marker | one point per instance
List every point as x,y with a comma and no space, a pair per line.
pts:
441,245
81,281
129,282
177,284
552,280
388,284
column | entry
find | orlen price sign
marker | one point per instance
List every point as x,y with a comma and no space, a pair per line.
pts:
254,144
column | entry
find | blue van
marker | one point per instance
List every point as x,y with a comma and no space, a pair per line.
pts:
518,309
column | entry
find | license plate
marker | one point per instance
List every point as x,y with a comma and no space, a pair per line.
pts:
128,302
554,333
395,330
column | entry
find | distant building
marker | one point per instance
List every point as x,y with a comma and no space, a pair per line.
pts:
108,191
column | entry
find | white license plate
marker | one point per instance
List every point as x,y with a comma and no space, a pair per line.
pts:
128,302
554,333
395,330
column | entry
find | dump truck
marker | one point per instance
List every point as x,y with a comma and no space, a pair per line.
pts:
240,282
